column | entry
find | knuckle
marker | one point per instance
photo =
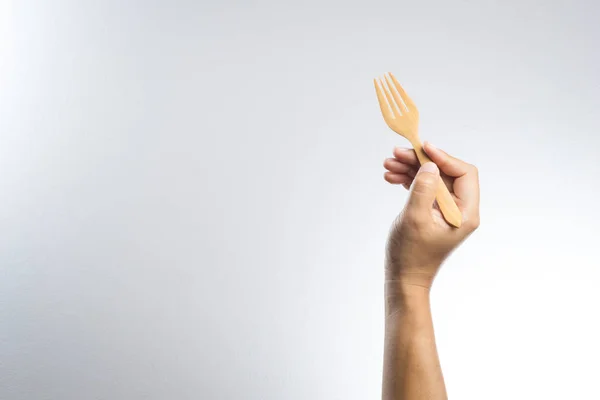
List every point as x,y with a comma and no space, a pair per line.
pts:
473,223
419,188
425,184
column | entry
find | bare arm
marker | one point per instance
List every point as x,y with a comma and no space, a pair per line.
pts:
411,366
419,242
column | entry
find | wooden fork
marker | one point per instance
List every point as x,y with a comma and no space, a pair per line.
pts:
402,116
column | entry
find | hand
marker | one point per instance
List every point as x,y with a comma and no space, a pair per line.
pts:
420,238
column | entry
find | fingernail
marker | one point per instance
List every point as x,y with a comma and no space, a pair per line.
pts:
403,149
429,167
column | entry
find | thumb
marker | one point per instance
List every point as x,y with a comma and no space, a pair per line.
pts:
424,188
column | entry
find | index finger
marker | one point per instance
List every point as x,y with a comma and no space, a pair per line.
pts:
466,178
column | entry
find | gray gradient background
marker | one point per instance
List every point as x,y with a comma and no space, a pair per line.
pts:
192,203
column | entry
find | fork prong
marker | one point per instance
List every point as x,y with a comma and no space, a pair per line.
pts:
388,94
399,102
385,110
407,100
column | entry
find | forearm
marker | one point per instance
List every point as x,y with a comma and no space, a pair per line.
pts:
411,365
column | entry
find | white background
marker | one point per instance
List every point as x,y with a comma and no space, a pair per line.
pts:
192,202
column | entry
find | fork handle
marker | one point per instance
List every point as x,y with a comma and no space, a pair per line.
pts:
445,201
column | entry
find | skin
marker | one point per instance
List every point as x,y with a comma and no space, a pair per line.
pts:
419,242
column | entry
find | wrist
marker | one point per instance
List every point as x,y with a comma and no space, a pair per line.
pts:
410,276
402,298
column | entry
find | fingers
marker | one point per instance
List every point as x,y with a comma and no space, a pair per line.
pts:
423,192
398,167
400,173
466,188
449,165
407,156
466,181
398,179
461,178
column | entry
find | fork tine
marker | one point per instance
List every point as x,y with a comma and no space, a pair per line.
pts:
388,94
407,100
385,110
399,102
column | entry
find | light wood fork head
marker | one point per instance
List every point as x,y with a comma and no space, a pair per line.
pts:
398,110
